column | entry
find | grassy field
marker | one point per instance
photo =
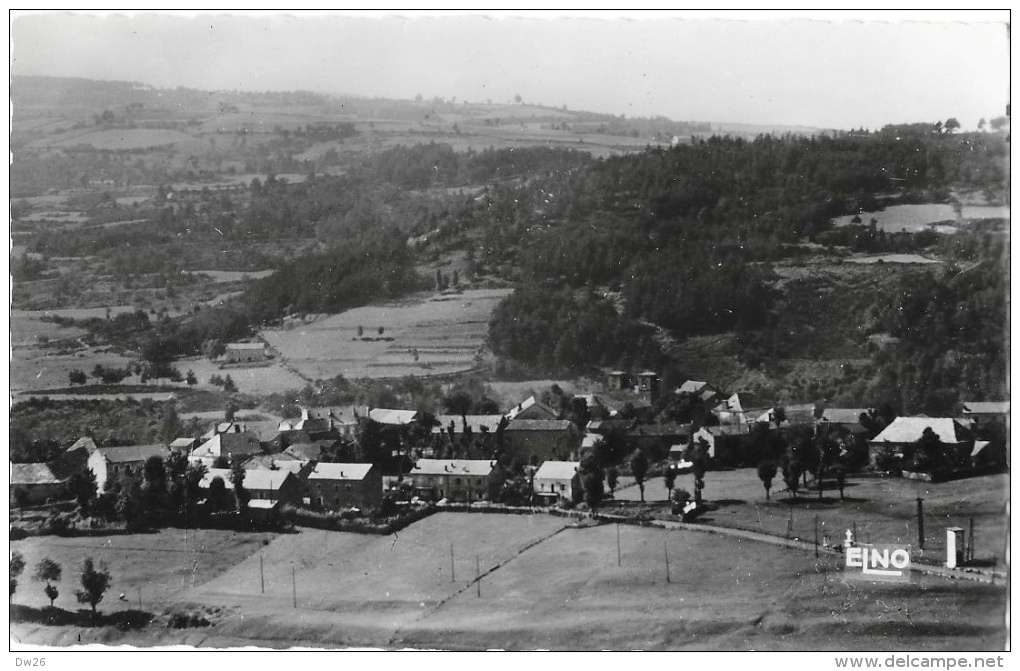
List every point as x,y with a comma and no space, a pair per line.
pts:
915,218
883,509
446,331
543,586
122,139
271,379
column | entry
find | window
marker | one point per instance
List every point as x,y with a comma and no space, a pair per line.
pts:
348,488
456,481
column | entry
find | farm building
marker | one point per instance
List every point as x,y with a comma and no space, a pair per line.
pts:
262,485
851,419
556,480
982,414
38,483
183,445
903,433
335,486
393,417
655,439
531,408
246,352
314,421
803,414
453,479
541,439
110,462
728,444
234,444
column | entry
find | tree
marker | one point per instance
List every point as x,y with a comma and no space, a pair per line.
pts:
792,470
48,571
94,583
766,472
927,451
153,482
229,385
17,566
518,99
382,330
839,471
591,482
361,331
82,485
217,496
191,379
669,479
612,477
171,426
78,377
241,495
639,469
951,124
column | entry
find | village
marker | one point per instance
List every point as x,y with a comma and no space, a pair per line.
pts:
359,468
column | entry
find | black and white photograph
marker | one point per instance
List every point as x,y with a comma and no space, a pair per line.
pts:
498,331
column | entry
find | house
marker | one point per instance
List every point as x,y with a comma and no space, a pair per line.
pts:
110,462
262,485
655,439
224,427
480,428
728,444
38,482
335,486
982,410
531,408
183,445
236,444
324,420
541,439
694,387
453,479
246,352
604,427
851,420
556,480
393,417
648,381
308,451
274,462
900,436
791,415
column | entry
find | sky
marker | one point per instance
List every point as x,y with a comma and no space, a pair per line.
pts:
756,68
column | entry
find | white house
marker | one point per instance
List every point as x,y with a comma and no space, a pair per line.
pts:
556,480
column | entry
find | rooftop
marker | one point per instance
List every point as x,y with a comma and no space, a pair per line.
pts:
986,408
32,474
909,430
453,467
131,453
388,416
556,470
324,471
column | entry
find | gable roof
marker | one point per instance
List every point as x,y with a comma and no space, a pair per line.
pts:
33,474
661,429
844,415
256,478
393,417
741,400
476,422
269,462
307,450
541,425
84,443
986,408
533,407
556,470
909,430
453,467
327,471
727,429
183,444
605,425
131,453
691,387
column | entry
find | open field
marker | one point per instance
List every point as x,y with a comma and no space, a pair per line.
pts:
543,586
914,218
892,258
161,565
884,510
121,139
37,368
448,333
270,379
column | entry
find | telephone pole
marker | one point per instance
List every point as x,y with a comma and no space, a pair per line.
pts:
920,522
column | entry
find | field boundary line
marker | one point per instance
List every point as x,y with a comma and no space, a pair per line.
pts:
478,578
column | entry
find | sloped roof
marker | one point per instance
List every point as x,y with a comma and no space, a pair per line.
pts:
270,462
909,430
590,439
844,415
324,471
131,453
476,422
661,429
453,467
245,345
741,400
32,474
556,470
182,442
691,387
255,478
305,451
540,425
728,429
599,425
394,417
528,404
986,408
84,443
225,444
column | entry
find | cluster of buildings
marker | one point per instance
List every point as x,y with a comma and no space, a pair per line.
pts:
454,456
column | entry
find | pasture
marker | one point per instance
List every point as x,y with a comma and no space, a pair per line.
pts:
270,379
544,585
123,139
448,332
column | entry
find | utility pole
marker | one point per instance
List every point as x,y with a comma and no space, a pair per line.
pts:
665,547
816,536
453,576
293,585
619,558
478,575
262,575
920,522
970,542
